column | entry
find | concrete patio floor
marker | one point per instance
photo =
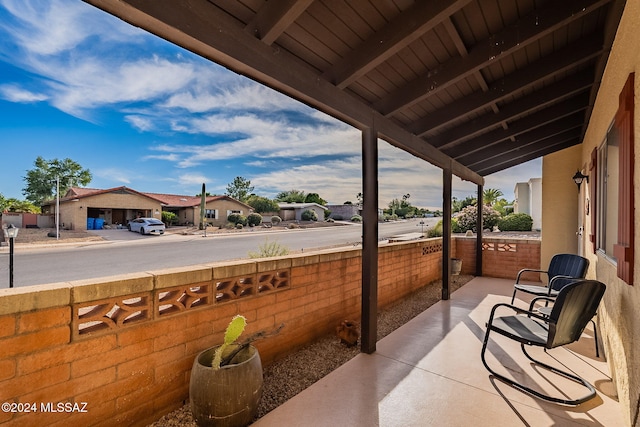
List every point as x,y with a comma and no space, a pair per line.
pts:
429,373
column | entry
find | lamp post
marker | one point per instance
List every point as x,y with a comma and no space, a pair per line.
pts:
11,232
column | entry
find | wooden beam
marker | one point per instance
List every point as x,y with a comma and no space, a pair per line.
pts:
542,98
581,52
479,224
369,316
531,151
527,124
274,17
519,35
407,27
447,186
207,31
522,142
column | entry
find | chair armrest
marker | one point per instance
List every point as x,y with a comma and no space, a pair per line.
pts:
518,310
536,299
550,285
530,270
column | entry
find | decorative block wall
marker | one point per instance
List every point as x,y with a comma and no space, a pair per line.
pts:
119,350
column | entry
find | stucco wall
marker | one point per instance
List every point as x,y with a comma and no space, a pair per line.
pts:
619,318
559,203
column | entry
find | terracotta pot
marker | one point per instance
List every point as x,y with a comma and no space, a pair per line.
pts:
229,396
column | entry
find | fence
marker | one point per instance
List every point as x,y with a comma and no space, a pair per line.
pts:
118,351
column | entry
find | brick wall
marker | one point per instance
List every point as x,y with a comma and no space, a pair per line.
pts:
500,257
124,345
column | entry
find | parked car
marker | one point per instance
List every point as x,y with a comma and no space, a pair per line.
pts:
146,225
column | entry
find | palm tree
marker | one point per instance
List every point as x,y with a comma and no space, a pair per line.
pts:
490,196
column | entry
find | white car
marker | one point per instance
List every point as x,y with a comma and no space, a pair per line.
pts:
146,225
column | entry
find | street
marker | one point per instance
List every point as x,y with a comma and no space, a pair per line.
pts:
33,266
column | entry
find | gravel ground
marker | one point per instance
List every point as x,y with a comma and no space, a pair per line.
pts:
289,376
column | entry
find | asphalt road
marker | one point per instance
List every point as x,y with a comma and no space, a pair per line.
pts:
127,252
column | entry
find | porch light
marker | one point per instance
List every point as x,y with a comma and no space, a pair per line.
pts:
11,232
578,178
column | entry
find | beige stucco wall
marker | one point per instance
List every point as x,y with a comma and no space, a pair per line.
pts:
74,213
192,215
559,204
619,314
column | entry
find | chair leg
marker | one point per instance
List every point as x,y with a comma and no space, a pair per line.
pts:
595,337
513,297
530,391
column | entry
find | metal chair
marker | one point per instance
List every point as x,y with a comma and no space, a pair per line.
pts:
574,307
563,269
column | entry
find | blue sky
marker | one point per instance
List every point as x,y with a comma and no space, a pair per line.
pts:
138,111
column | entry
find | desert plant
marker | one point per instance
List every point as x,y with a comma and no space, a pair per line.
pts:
233,332
516,222
275,220
468,218
169,218
356,218
254,219
236,218
309,215
239,226
269,249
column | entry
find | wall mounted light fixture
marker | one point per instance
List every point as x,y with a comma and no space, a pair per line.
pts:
578,178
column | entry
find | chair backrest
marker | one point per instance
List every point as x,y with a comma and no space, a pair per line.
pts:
575,305
566,265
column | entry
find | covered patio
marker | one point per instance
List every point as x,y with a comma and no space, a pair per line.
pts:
429,373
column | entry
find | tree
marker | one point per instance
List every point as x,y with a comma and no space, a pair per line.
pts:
240,189
491,196
262,204
291,196
315,198
41,181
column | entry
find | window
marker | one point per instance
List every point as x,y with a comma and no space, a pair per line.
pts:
607,172
612,188
211,214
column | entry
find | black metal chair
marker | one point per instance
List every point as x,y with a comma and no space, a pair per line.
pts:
563,269
574,307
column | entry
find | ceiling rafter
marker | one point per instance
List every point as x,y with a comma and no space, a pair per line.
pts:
555,92
531,137
525,31
274,17
533,151
542,117
545,68
400,32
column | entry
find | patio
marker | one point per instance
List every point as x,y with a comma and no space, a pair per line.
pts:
429,372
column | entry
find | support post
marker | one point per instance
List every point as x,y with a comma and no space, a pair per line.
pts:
369,316
447,176
479,223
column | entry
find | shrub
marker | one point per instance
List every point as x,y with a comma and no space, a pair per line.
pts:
236,219
254,219
468,216
169,218
309,215
516,222
436,230
269,249
356,218
275,220
239,226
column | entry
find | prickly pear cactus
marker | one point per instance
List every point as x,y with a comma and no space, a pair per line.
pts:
233,332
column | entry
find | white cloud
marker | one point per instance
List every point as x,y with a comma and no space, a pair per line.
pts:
16,94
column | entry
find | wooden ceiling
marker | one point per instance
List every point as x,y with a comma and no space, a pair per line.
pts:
476,86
